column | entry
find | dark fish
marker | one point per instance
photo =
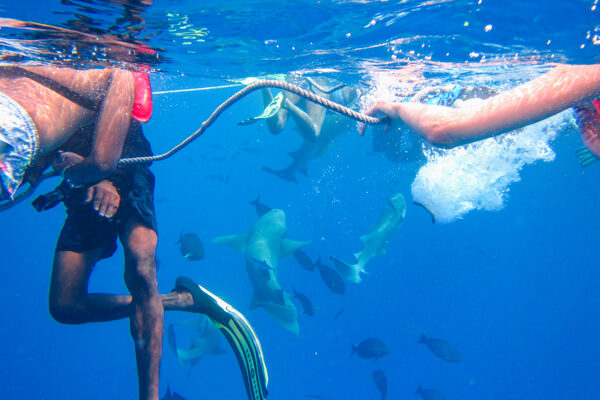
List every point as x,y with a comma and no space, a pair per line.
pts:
337,314
171,395
306,304
304,260
430,394
331,278
370,348
261,208
380,382
441,349
218,178
191,247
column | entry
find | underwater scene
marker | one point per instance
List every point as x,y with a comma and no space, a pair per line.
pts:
350,199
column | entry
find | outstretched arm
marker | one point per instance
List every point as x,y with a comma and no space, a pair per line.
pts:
110,131
563,87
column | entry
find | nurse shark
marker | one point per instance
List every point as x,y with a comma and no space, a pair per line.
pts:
262,247
374,243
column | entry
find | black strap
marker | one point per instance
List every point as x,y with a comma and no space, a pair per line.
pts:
81,100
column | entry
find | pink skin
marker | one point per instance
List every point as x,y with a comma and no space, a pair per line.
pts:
562,87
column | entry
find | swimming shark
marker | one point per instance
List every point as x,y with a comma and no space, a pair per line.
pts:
262,248
374,243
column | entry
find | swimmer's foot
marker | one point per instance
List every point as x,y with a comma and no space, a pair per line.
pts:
237,330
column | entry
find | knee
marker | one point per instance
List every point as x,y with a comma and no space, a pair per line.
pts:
140,276
140,269
66,312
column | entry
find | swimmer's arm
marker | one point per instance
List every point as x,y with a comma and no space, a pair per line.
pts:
549,94
110,132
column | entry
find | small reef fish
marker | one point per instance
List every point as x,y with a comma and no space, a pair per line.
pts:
191,247
380,382
340,312
171,395
264,245
429,394
374,243
218,178
307,306
441,349
261,208
304,260
370,348
330,278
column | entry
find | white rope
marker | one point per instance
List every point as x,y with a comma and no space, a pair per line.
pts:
196,89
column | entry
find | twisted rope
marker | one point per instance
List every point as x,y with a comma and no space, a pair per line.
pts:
245,91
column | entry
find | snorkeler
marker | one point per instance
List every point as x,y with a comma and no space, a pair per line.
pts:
564,86
115,202
122,205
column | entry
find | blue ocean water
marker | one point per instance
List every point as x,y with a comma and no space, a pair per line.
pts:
513,286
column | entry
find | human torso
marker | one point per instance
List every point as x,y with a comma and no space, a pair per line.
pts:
56,117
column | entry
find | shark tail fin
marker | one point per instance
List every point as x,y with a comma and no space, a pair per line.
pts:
255,202
350,272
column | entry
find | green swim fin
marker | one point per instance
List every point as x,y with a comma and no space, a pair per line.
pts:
270,111
238,332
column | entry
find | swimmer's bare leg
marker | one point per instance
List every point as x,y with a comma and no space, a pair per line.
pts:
310,127
147,321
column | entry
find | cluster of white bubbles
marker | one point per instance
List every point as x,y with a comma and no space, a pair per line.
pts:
477,176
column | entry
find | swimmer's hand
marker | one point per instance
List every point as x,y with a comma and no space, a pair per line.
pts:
105,198
381,109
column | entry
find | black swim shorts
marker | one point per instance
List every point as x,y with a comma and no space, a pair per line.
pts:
85,230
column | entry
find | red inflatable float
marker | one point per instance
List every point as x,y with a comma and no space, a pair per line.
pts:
142,103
